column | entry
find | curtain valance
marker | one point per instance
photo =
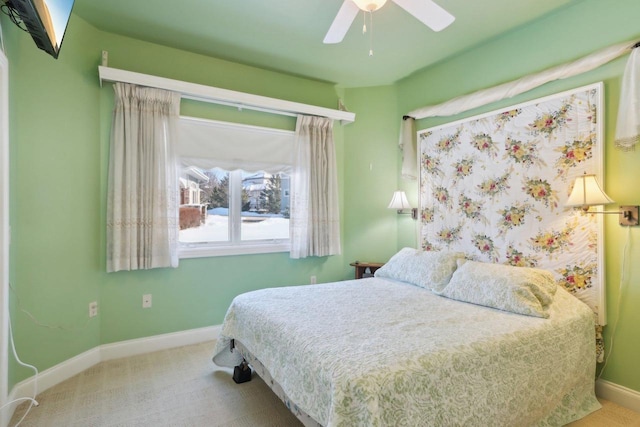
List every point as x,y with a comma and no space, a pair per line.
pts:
208,144
524,84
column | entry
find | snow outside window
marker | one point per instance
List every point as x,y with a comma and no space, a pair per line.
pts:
234,188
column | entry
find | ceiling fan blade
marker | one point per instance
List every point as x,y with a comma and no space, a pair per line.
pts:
347,13
427,12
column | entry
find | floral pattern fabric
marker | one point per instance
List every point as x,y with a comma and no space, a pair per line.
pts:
495,186
377,352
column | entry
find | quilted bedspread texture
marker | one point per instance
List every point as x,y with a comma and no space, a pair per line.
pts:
378,352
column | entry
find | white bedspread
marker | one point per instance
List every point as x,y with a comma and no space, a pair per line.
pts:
375,352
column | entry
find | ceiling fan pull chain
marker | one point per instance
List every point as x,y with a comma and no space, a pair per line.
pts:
364,22
371,34
425,11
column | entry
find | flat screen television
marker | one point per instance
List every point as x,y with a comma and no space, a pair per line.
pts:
46,21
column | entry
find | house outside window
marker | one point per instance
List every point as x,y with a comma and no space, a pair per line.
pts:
240,211
267,192
192,211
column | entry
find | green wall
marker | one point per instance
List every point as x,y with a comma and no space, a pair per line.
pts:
198,292
54,198
60,119
60,122
575,31
371,154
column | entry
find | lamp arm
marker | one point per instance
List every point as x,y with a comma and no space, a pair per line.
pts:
412,211
628,214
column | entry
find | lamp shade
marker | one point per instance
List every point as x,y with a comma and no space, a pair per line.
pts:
587,192
369,5
399,201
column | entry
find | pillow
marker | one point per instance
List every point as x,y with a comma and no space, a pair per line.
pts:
521,290
427,269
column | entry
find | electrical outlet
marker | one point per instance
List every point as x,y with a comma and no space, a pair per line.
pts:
146,301
313,280
93,309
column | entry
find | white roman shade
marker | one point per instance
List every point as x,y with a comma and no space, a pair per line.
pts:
208,144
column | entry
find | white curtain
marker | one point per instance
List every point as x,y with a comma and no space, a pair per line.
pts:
408,144
142,204
315,217
628,124
524,84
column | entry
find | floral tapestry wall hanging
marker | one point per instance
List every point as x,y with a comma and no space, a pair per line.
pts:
494,186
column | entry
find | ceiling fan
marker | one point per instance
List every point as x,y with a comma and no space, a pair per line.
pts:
425,11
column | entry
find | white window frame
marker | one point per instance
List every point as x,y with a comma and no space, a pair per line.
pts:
234,246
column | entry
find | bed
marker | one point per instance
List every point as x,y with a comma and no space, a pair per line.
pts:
432,340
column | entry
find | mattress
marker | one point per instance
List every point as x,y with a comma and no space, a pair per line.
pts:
378,352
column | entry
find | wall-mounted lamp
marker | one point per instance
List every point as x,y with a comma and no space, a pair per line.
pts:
400,203
587,192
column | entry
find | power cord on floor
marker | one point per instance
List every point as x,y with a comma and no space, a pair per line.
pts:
33,401
621,287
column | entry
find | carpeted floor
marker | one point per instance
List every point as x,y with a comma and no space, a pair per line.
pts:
182,387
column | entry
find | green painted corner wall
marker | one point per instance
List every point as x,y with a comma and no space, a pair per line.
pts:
199,292
371,154
573,32
60,122
54,169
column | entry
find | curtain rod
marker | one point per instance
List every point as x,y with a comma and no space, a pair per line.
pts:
221,96
241,107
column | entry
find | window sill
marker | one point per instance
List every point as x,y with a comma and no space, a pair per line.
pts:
245,249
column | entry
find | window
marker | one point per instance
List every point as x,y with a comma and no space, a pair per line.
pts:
234,192
234,207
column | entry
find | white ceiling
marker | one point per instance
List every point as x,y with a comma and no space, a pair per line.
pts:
286,35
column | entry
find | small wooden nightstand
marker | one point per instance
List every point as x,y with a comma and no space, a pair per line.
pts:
361,268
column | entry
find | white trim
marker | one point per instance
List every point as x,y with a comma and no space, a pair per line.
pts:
203,251
67,369
59,373
222,96
4,234
618,394
159,342
239,126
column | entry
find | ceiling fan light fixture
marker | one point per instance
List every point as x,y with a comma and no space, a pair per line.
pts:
425,11
369,5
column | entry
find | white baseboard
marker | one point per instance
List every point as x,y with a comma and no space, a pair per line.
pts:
52,376
158,342
618,394
67,369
